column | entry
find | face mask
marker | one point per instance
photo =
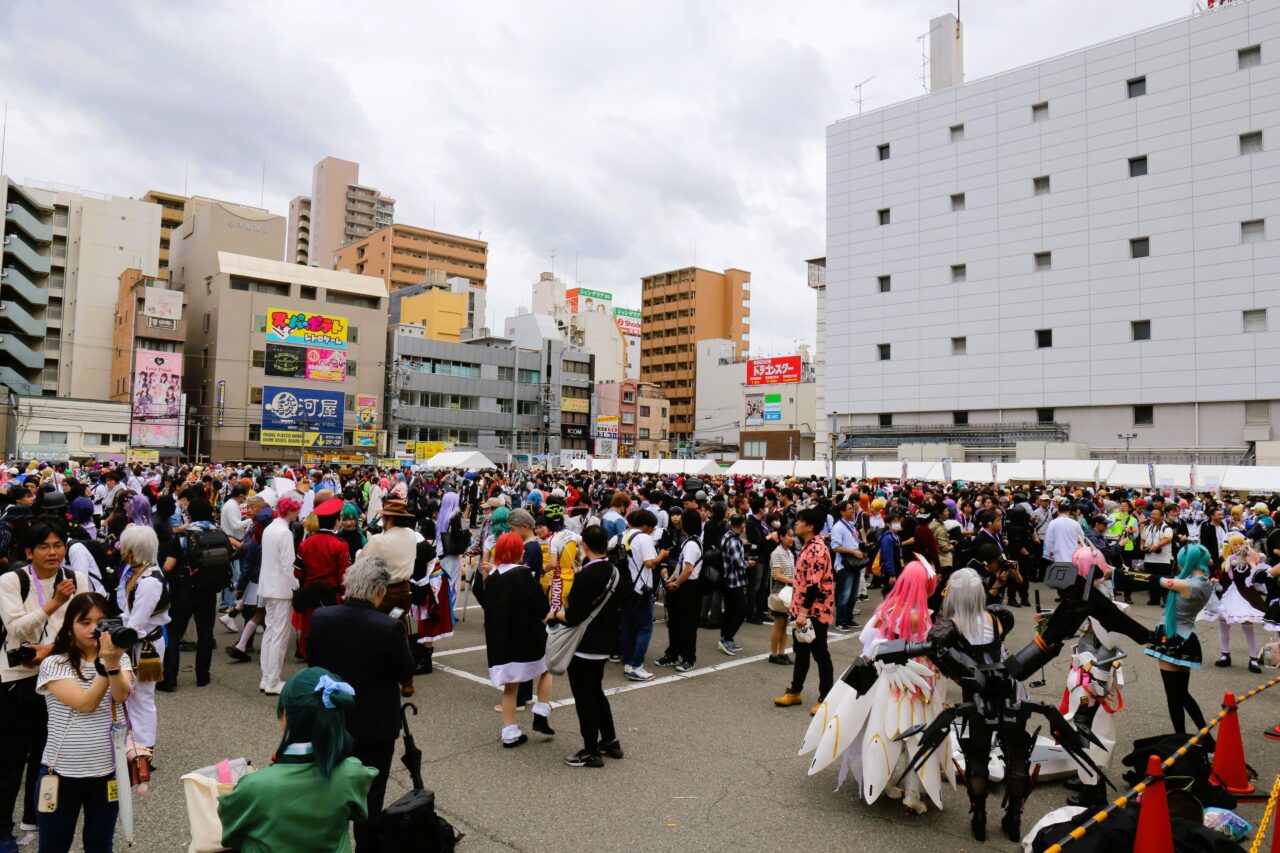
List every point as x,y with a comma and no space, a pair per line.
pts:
896,527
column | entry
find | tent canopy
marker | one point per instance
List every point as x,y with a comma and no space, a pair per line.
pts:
471,459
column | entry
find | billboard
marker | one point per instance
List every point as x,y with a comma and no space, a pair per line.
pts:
162,304
366,411
582,301
755,409
286,361
304,417
773,371
324,365
157,399
773,407
628,320
607,426
574,404
300,327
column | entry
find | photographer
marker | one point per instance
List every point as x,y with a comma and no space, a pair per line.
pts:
366,649
33,604
83,668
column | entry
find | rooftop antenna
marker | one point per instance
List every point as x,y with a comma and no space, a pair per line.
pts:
186,174
858,99
553,264
924,60
433,216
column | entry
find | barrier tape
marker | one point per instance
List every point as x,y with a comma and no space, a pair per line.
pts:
1266,816
1120,802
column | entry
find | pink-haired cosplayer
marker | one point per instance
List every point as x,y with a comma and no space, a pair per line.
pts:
861,728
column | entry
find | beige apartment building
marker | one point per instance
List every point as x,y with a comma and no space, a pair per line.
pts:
338,211
402,256
237,292
678,309
172,212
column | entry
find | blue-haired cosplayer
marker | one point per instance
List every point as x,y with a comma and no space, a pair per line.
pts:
1176,647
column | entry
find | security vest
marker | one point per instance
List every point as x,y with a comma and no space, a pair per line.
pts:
1119,523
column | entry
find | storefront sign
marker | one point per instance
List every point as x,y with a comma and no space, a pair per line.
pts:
146,457
607,426
582,300
773,407
574,404
300,327
573,430
773,371
312,414
365,438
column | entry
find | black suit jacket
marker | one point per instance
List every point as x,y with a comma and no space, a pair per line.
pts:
366,649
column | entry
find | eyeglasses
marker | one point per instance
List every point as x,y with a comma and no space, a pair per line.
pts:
49,546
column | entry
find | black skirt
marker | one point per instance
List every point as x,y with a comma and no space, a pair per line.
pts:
1182,651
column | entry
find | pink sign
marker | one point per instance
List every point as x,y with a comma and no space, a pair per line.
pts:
773,371
328,365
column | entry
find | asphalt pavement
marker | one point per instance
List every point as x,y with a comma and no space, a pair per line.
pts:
711,764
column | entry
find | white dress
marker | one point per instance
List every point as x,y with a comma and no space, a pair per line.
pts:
1233,608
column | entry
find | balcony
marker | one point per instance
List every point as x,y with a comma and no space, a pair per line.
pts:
22,218
25,253
17,383
12,347
14,282
14,316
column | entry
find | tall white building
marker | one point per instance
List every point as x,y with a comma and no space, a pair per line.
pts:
1084,248
580,317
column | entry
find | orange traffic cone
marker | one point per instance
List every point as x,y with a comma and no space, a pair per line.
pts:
1275,833
1155,833
1229,769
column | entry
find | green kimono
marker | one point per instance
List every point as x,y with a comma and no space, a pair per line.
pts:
289,807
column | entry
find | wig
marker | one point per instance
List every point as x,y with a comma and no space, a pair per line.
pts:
313,704
904,614
966,604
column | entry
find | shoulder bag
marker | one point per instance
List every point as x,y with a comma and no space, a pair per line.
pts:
563,640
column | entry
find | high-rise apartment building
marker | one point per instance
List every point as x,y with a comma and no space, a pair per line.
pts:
280,358
1079,249
64,250
585,318
403,255
338,211
680,308
172,212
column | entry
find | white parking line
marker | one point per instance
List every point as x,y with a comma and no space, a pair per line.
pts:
440,654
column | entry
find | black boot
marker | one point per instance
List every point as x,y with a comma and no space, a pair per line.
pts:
1012,825
978,817
424,661
1090,796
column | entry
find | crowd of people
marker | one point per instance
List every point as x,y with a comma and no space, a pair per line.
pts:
569,568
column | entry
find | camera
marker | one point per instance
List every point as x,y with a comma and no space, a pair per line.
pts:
23,655
122,636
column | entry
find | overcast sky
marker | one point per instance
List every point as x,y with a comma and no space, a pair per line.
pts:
627,138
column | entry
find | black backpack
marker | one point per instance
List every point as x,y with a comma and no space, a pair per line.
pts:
412,823
107,557
24,589
209,558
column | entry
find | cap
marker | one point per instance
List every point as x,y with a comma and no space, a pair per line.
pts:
333,506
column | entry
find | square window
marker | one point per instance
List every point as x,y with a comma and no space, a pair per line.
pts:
1137,166
1144,416
1040,185
255,396
1040,111
259,322
1253,231
957,201
1044,416
1248,57
959,272
1140,247
884,351
1251,143
882,151
1254,320
886,420
1141,330
882,216
959,346
1257,412
959,418
306,291
259,358
255,432
885,283
1044,261
1044,338
957,132
1137,87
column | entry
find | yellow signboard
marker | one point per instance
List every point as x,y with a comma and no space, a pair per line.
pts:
280,438
424,450
146,457
574,404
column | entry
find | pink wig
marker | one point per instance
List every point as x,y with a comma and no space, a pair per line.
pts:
904,614
286,505
1086,557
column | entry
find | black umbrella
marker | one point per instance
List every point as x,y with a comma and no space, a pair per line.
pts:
412,757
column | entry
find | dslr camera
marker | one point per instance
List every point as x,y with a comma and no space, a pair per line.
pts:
122,636
23,655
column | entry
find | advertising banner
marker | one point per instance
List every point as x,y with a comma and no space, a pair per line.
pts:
424,450
755,409
326,365
574,404
628,321
582,300
607,426
607,448
146,457
157,399
573,430
773,407
286,361
773,371
366,411
365,438
312,414
300,327
162,304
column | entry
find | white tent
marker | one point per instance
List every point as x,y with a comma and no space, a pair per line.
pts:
1080,470
1246,478
470,459
752,467
968,472
778,468
698,468
809,468
647,466
1029,470
1138,476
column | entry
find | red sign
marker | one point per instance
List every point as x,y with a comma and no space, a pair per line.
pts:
773,371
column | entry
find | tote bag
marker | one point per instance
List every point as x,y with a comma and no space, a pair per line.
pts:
202,789
563,640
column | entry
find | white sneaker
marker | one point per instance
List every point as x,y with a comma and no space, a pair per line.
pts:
639,673
228,622
261,628
273,690
626,670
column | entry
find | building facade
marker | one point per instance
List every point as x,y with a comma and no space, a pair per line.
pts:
273,348
486,394
1078,248
585,318
69,428
338,211
758,408
149,338
642,416
172,212
679,309
404,256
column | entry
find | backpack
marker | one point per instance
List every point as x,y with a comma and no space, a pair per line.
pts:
107,557
24,589
209,558
162,603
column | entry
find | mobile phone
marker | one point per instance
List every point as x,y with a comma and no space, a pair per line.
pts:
396,612
47,794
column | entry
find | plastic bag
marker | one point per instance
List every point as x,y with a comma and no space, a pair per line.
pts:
1228,823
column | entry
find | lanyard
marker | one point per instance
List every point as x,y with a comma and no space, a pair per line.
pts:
35,581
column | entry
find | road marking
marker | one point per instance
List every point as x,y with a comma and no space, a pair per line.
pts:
447,652
463,674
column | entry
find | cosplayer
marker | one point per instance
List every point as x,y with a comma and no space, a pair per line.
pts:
866,729
1176,647
1242,599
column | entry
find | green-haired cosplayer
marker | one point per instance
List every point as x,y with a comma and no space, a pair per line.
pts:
1177,648
307,798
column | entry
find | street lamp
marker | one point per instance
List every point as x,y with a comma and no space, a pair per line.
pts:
1127,436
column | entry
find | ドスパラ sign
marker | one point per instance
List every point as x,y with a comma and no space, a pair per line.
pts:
773,371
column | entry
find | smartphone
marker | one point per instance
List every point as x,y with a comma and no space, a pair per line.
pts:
396,612
47,794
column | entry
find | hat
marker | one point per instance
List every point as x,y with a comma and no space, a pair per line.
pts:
396,508
554,512
333,506
520,518
1261,507
495,502
1043,496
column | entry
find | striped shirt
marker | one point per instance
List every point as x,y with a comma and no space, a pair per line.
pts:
79,745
